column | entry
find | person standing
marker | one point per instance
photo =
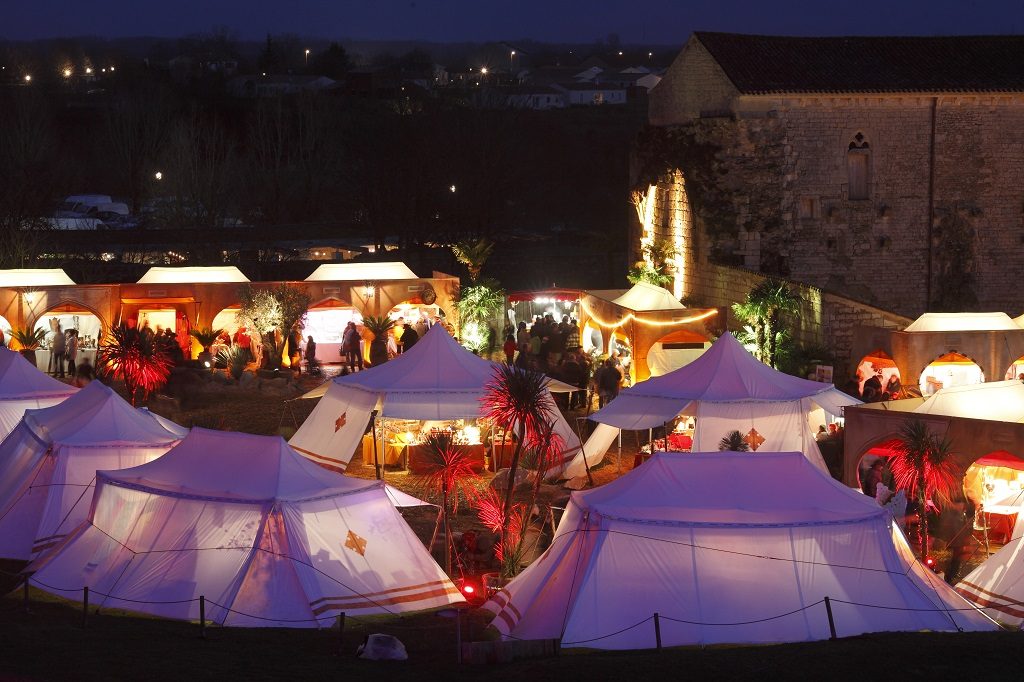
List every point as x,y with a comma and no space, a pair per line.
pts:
72,351
509,348
310,353
350,346
58,350
608,379
409,337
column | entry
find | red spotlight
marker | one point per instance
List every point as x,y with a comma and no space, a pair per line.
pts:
468,589
931,564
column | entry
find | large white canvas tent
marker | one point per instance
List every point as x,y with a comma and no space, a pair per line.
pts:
266,536
962,322
726,548
644,297
193,275
361,272
35,277
48,463
437,379
24,387
726,389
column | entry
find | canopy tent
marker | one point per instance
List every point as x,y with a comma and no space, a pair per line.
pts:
644,297
266,536
436,379
362,272
962,322
993,400
193,275
34,277
726,389
23,387
49,461
726,548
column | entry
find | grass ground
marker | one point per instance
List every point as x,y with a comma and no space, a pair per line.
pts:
49,642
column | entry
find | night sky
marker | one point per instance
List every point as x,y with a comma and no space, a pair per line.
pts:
661,22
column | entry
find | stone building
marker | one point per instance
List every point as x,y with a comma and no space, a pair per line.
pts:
889,171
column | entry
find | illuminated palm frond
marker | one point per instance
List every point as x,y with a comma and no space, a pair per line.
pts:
138,358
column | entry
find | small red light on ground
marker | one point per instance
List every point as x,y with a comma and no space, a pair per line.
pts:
468,589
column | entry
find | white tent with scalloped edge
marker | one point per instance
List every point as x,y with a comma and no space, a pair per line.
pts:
24,387
726,389
48,463
266,536
726,548
435,379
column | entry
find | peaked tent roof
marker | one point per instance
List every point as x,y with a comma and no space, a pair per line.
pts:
644,297
19,380
962,322
34,277
758,64
724,373
733,548
342,272
994,400
997,585
235,466
96,414
193,275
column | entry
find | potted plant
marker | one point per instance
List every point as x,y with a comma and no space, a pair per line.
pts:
206,338
29,340
235,359
378,326
733,442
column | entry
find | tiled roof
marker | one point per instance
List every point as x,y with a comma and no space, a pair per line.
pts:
779,64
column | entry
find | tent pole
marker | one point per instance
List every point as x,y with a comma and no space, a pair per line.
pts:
376,460
620,450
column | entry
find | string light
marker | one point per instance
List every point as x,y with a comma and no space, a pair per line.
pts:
651,323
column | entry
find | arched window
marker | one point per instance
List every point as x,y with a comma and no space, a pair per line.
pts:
858,167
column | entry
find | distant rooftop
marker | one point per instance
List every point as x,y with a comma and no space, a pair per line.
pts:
779,64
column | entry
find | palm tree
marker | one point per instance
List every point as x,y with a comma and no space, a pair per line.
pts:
763,310
378,326
449,471
139,359
29,340
516,398
924,466
473,255
206,338
733,442
656,267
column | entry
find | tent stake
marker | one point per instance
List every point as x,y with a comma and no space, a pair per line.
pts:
831,620
341,633
376,461
458,636
85,605
657,630
202,616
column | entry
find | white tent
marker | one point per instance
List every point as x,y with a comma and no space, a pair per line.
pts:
994,400
266,536
726,389
193,275
437,379
644,297
962,322
361,272
997,586
48,463
24,387
34,277
726,548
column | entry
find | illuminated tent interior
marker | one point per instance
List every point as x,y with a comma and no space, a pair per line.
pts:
34,277
878,364
962,322
726,389
436,380
48,463
675,350
23,387
948,371
269,538
193,275
64,317
345,272
726,548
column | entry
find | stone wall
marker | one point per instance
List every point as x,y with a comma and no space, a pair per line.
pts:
774,196
826,319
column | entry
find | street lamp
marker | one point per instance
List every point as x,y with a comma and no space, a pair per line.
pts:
307,56
67,73
451,189
158,175
28,78
512,60
483,70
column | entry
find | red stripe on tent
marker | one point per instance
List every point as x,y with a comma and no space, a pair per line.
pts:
40,545
989,604
982,590
508,620
407,588
390,601
325,462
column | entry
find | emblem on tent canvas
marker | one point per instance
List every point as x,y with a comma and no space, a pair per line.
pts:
753,439
356,543
339,422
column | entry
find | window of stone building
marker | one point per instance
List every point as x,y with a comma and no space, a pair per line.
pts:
858,168
807,207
